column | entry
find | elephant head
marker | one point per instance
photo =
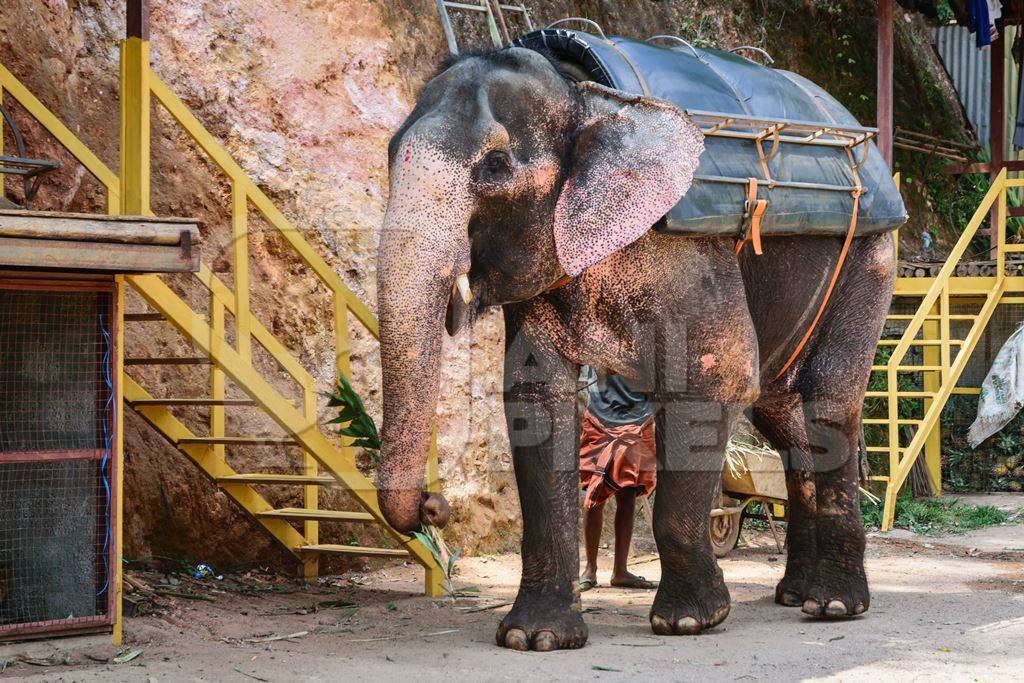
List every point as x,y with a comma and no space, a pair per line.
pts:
506,176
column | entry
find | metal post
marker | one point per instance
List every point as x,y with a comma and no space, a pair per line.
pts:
884,80
137,19
997,128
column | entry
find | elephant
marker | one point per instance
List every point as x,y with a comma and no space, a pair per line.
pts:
514,184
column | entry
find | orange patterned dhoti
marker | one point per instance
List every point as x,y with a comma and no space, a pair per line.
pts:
614,458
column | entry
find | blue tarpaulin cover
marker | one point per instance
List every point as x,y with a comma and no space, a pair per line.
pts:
808,186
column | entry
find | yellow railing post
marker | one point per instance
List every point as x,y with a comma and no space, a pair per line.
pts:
135,111
1,139
216,375
310,494
932,331
240,268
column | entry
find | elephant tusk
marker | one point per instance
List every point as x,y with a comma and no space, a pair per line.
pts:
462,282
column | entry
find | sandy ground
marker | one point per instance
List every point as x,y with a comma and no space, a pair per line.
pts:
937,610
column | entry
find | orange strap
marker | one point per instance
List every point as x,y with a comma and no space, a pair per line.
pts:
560,282
831,285
753,211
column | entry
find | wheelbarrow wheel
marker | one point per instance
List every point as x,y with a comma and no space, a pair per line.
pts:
725,532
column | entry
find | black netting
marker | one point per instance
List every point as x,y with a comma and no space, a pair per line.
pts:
51,379
56,421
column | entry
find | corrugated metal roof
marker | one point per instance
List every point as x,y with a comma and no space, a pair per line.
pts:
969,69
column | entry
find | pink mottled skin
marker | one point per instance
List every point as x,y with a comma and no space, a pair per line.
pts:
511,175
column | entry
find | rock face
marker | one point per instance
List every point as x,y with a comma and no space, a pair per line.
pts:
304,94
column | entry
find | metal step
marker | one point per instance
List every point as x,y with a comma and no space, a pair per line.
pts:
920,342
199,360
282,479
319,515
193,402
329,549
135,317
238,441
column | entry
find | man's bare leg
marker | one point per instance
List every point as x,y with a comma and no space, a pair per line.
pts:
593,520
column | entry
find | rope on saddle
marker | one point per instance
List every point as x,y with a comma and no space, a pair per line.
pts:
857,192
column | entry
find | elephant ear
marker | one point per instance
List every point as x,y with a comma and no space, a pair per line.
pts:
633,158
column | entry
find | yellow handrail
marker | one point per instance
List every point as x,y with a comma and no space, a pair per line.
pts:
934,307
65,137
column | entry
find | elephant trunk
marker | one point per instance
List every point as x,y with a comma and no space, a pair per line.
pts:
423,250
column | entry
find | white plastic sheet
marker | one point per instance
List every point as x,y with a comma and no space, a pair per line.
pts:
1002,392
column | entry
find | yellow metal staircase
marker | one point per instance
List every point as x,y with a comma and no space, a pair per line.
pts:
321,461
922,356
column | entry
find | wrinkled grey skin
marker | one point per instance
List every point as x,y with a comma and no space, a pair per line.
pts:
509,171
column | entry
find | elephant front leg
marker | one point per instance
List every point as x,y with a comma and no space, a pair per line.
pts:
540,409
691,438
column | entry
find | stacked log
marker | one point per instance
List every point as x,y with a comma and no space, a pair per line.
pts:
1014,267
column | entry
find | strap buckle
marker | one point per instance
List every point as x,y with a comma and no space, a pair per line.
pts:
753,211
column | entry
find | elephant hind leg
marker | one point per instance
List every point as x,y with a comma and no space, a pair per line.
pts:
825,540
781,421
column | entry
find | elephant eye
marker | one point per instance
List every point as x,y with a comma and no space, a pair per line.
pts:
495,167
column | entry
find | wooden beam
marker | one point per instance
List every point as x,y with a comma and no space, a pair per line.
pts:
883,117
96,227
983,167
107,257
137,19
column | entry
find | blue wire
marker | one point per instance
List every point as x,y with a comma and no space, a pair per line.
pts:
107,438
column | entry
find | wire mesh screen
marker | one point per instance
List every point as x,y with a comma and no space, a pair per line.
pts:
997,464
51,380
56,424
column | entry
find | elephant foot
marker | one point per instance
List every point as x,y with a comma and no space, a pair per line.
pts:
536,624
792,589
837,593
688,610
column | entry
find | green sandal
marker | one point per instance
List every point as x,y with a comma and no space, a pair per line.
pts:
637,582
587,584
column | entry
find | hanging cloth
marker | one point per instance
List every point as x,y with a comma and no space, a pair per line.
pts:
979,22
1002,392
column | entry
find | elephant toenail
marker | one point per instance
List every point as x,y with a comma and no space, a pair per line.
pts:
545,641
660,625
811,607
687,626
861,608
516,639
790,599
836,608
719,616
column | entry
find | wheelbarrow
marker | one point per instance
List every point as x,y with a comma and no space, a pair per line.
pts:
754,475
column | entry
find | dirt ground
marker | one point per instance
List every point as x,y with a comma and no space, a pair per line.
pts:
937,610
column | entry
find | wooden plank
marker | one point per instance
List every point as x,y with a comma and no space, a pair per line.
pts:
108,257
238,441
96,227
194,402
353,550
194,360
320,515
279,479
982,167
